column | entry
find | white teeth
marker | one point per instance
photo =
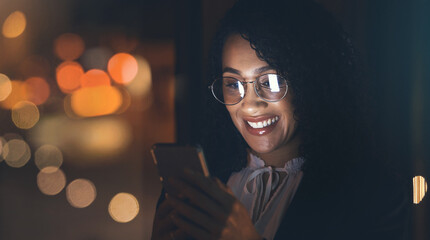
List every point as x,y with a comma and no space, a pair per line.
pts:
264,123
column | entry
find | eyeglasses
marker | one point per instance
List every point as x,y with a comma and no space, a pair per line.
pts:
230,91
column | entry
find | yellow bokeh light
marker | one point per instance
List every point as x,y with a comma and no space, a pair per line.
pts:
124,207
419,188
25,114
81,193
5,87
50,181
14,25
16,153
2,143
48,156
96,101
142,82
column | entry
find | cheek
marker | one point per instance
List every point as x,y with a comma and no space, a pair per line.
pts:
233,116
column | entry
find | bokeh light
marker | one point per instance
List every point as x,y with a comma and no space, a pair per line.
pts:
81,193
420,188
37,89
5,87
94,78
69,46
126,100
48,156
16,153
69,75
96,101
25,114
123,68
19,93
124,207
14,25
2,144
142,82
51,180
86,142
96,58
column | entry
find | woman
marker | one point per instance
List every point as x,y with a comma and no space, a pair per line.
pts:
289,146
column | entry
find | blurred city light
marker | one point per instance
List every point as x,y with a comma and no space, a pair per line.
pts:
48,156
2,143
81,193
25,114
86,142
16,153
123,68
14,25
69,46
51,180
96,101
69,76
95,78
5,87
142,82
420,188
38,90
123,207
19,93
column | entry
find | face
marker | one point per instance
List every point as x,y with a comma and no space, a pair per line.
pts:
240,61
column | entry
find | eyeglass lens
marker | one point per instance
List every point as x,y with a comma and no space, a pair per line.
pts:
270,87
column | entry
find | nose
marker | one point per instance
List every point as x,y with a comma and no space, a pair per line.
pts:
252,103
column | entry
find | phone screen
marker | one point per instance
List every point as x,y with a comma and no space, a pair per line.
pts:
173,159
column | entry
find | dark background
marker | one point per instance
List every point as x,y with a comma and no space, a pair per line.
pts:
393,37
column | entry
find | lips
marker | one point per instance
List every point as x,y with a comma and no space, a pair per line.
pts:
261,125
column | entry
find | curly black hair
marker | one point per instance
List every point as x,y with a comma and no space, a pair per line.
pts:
304,43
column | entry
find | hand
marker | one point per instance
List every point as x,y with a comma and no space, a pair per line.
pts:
207,209
164,227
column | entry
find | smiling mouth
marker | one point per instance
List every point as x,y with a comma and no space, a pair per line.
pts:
263,124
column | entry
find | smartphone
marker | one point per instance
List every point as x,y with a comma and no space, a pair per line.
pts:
171,159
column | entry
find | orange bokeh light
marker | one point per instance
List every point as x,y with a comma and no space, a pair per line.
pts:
68,76
69,46
96,101
38,90
122,67
19,93
94,78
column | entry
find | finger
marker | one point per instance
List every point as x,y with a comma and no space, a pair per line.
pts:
200,199
194,215
209,187
190,228
179,235
163,210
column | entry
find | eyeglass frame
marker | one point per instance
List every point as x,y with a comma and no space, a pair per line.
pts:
255,89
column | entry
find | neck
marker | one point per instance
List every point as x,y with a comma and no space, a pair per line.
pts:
282,155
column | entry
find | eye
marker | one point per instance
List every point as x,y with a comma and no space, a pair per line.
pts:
272,82
230,83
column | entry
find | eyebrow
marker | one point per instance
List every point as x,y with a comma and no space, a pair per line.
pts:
256,71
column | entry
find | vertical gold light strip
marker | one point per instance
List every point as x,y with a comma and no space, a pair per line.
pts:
420,188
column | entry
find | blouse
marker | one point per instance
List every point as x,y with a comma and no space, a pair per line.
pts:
266,191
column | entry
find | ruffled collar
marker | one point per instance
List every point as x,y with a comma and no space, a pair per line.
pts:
291,167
